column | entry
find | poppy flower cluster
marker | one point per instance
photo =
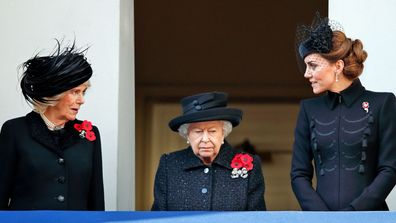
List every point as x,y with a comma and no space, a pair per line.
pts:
85,129
241,164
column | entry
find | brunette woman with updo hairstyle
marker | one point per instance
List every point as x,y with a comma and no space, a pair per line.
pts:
345,136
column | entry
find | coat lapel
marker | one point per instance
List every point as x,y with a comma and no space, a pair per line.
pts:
41,134
225,156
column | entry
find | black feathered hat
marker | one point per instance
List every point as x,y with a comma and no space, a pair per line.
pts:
47,76
206,107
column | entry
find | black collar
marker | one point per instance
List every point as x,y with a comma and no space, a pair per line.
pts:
347,96
224,158
42,134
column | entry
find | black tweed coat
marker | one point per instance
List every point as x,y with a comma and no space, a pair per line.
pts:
351,137
184,183
38,172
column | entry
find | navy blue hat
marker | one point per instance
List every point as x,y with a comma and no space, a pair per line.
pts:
316,38
206,107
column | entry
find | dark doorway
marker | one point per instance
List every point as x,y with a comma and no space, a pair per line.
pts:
245,48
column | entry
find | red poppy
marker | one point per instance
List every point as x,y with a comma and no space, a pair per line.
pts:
78,127
85,130
86,125
236,164
246,159
242,161
90,135
248,166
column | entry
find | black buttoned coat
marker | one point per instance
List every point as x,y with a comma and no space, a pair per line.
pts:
184,183
351,137
38,172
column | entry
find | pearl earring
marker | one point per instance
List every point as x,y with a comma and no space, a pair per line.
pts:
188,142
336,76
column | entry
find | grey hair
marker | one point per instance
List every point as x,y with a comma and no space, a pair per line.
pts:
227,129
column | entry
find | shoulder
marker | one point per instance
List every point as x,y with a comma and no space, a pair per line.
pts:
177,155
379,99
380,95
15,122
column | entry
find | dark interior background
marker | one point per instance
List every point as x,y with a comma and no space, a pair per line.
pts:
245,48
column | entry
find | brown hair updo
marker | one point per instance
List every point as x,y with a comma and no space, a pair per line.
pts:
350,51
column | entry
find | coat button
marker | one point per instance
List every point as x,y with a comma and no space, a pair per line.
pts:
204,190
61,161
206,170
60,198
61,180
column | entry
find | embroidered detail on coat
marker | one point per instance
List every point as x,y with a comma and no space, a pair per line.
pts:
326,123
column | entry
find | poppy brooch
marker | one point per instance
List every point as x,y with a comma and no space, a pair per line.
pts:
85,130
241,164
365,106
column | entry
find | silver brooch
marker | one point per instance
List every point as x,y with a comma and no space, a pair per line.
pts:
239,173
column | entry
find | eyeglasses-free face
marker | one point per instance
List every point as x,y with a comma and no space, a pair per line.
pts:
206,139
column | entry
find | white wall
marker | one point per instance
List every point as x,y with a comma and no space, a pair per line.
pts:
373,22
27,27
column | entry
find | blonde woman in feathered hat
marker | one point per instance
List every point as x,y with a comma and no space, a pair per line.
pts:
49,160
209,174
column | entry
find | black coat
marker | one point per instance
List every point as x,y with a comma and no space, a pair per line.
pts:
184,183
39,172
354,150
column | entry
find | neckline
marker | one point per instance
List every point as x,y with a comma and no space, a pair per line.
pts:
50,125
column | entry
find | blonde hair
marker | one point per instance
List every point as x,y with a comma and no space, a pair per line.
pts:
40,107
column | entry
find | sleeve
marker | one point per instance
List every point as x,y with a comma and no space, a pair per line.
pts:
374,195
256,189
160,186
96,193
8,160
302,168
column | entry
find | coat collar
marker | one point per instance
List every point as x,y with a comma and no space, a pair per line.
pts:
348,96
224,158
43,135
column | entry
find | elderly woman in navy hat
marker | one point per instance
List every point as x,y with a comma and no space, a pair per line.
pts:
209,174
49,160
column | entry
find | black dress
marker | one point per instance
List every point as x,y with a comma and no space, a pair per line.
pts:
45,170
352,138
184,183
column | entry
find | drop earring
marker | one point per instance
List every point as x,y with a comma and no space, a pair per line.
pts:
188,142
336,76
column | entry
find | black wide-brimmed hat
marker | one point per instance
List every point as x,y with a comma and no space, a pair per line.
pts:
207,106
47,76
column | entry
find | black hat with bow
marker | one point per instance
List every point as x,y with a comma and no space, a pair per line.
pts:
207,106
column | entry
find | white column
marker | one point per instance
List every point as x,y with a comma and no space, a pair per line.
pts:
126,119
373,22
27,27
